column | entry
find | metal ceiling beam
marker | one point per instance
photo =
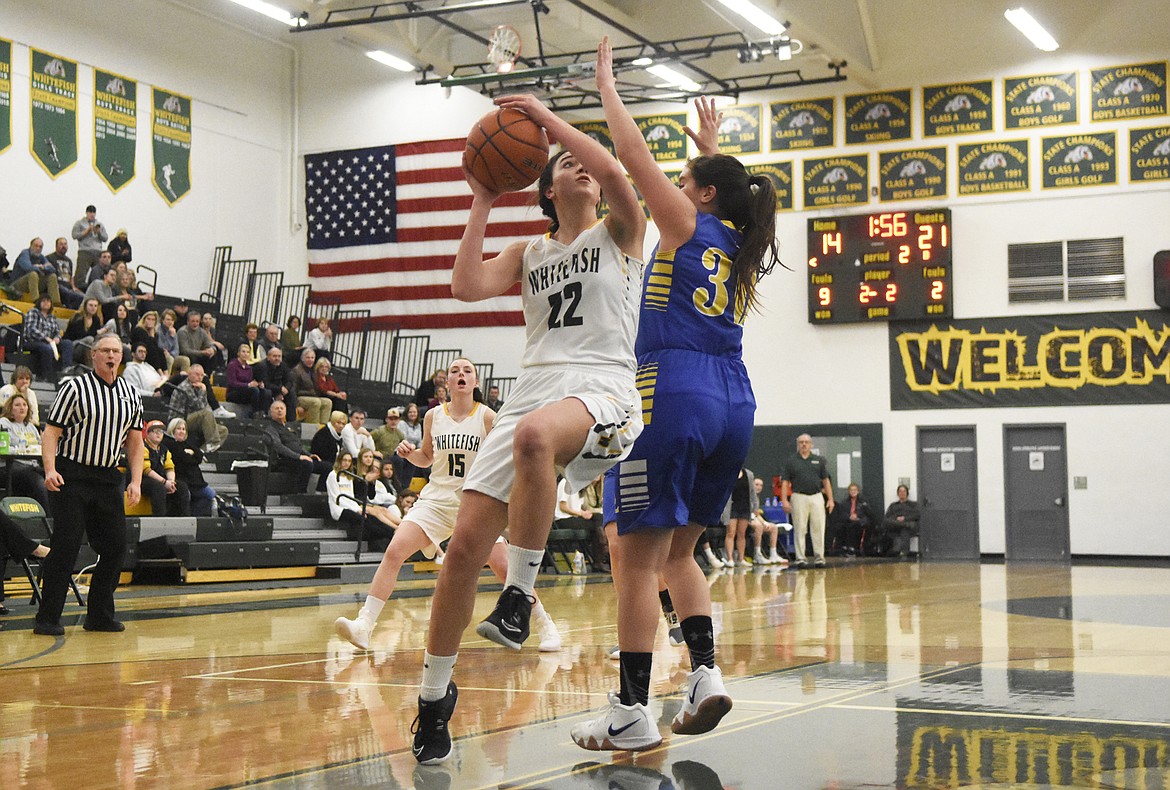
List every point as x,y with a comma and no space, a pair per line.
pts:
398,11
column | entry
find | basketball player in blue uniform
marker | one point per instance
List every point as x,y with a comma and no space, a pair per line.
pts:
717,230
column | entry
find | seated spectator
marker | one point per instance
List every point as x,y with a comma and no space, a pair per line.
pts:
411,426
320,339
492,401
316,408
242,385
42,339
120,326
339,487
85,324
168,495
15,544
347,496
97,272
190,399
251,340
426,390
146,332
196,344
290,338
141,375
271,339
140,300
33,275
24,439
852,520
440,397
354,436
276,379
386,441
325,386
901,522
71,296
765,531
327,442
570,513
286,450
120,251
21,382
207,321
105,290
168,341
386,487
187,456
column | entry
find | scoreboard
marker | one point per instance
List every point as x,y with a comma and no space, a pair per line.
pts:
891,266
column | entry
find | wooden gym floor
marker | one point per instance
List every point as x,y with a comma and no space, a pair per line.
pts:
861,675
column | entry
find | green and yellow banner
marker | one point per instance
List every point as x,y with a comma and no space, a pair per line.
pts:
664,135
780,174
170,125
115,127
5,94
53,135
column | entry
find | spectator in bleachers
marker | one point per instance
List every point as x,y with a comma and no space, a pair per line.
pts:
190,400
287,452
320,338
168,340
104,289
181,309
34,275
169,496
901,522
325,386
143,376
493,401
91,238
290,338
140,300
316,408
765,531
146,333
121,327
387,437
354,436
207,321
440,397
84,326
426,390
338,483
853,518
242,385
327,442
71,297
276,379
251,339
411,425
120,251
196,344
42,339
21,382
187,456
271,339
97,272
571,513
24,439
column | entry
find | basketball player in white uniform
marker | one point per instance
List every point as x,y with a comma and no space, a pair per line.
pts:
573,409
452,435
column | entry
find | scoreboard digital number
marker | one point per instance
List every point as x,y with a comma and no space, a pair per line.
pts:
879,267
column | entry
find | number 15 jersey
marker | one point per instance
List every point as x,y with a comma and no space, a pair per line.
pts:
580,301
454,445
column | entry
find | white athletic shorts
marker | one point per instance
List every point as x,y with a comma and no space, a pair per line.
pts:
435,516
612,400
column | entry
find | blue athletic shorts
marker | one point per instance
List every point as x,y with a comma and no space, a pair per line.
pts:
699,412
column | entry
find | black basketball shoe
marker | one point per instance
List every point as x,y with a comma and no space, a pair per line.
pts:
432,739
507,625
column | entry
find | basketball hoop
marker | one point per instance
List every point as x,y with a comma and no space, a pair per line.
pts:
503,48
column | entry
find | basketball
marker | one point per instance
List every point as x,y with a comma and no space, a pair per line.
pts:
506,150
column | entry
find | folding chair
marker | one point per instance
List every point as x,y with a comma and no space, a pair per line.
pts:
28,514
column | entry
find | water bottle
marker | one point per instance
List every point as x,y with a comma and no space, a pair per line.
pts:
578,562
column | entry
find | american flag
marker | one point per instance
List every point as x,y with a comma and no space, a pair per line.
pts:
384,226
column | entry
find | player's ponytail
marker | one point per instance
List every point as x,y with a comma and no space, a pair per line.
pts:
749,203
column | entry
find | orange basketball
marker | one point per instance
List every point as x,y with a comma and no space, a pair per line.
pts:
506,150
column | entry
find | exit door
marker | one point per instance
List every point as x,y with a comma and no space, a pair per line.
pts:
1035,474
948,481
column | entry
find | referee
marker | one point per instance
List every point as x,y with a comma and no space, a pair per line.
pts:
91,418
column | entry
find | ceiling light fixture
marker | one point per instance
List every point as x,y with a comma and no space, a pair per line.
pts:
1027,24
672,77
769,24
642,62
273,12
393,61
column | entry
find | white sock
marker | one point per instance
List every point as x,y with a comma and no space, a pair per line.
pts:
436,675
523,568
538,612
371,609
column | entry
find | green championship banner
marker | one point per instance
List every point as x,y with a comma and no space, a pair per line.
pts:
170,125
1079,160
1075,359
807,123
985,168
957,108
1149,154
53,135
115,127
916,174
739,131
836,181
1135,91
874,117
5,94
664,136
599,131
1042,100
780,174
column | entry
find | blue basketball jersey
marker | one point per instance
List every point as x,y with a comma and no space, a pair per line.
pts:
688,295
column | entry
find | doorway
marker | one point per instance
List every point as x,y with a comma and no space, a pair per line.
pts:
948,495
1035,464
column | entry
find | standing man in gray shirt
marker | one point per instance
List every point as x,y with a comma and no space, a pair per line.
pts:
808,490
91,239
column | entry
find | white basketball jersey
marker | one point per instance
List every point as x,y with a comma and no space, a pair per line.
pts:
454,446
580,301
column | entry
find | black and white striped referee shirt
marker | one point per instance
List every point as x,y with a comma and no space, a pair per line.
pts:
94,417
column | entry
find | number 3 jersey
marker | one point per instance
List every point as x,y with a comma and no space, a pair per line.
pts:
580,301
454,446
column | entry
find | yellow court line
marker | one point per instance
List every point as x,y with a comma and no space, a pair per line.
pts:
994,715
462,689
103,707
